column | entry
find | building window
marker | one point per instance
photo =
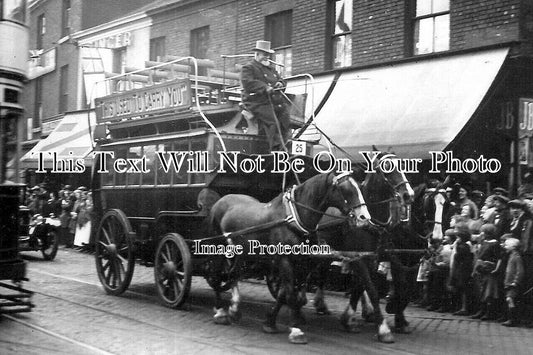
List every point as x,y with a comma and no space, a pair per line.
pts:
13,10
278,30
199,45
65,31
38,104
41,30
431,26
63,89
119,60
340,29
157,49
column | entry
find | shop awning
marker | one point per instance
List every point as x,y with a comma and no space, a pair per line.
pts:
409,108
71,139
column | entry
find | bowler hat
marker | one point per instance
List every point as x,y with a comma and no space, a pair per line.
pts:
67,187
82,188
263,46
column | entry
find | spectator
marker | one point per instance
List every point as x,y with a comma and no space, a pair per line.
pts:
67,205
461,269
527,185
53,206
514,275
520,226
463,201
487,267
501,215
83,223
439,274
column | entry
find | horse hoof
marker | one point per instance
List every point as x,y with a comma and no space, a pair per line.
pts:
402,330
270,329
386,338
222,320
297,337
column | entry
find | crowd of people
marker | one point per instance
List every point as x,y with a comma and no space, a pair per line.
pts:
483,266
72,207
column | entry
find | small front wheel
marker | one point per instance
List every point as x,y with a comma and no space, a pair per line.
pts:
173,270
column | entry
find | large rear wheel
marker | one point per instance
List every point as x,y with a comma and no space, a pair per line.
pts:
173,270
115,259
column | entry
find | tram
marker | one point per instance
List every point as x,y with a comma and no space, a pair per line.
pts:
13,297
169,144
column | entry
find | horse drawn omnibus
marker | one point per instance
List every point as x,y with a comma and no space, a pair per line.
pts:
167,147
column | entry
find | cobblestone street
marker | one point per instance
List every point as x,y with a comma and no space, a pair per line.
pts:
73,314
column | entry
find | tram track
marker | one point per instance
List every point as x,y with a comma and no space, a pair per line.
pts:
246,301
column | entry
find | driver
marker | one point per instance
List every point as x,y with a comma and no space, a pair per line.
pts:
262,86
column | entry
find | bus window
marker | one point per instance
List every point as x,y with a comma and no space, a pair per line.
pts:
107,178
182,175
148,178
134,154
199,146
164,178
120,178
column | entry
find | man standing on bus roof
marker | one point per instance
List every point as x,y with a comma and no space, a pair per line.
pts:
262,96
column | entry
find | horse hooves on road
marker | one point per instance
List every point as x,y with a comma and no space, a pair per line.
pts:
222,320
322,311
235,316
297,336
385,338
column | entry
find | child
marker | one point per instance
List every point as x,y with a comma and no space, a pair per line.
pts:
461,270
487,267
514,275
439,274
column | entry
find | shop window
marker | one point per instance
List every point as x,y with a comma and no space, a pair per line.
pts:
340,33
157,49
13,10
199,45
278,30
63,89
107,178
431,26
41,30
65,18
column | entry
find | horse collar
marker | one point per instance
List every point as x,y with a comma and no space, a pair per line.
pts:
293,219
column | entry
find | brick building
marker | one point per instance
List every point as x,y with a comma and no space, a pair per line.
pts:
468,66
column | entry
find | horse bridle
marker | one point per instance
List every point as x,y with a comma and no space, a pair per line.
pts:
396,195
292,214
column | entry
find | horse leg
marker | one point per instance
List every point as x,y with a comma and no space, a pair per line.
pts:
234,311
367,310
401,298
348,318
384,333
320,305
294,300
221,315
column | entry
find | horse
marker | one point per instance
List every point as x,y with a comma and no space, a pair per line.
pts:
302,207
389,196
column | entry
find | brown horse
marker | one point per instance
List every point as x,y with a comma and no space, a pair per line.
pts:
302,208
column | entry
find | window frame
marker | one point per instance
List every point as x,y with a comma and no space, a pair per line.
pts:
156,44
283,47
41,30
65,18
63,88
195,42
331,36
38,103
416,20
